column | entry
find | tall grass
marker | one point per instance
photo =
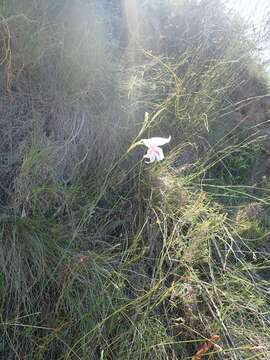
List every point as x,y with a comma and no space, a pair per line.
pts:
102,256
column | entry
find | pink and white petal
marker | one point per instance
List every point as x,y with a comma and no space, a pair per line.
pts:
159,154
151,158
149,155
156,141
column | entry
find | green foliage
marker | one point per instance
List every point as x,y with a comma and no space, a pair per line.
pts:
102,256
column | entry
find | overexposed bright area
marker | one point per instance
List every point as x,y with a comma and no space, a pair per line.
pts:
253,11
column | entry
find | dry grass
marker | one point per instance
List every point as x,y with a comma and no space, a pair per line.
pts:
101,256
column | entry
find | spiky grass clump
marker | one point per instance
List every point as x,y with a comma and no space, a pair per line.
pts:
195,277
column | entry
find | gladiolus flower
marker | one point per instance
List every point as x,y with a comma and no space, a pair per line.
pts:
154,151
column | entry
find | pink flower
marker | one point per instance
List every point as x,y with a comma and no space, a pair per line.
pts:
154,151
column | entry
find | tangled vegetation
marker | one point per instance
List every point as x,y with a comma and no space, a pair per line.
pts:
101,255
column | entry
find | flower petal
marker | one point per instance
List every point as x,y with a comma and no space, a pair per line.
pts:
151,156
149,153
154,153
159,153
156,141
